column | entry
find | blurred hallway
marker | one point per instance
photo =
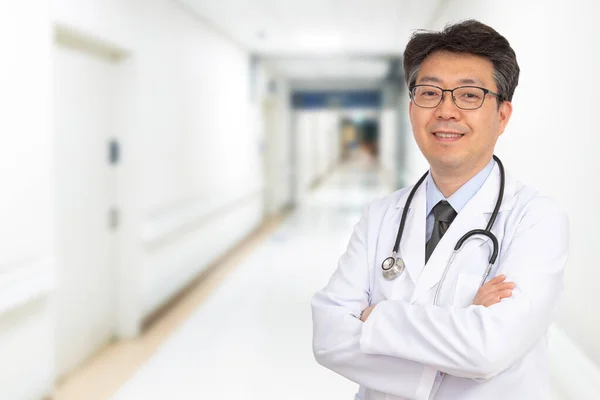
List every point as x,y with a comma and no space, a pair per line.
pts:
219,153
251,338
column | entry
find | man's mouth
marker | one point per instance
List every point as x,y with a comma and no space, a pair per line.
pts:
448,136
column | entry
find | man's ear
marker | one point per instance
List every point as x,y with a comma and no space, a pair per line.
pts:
505,112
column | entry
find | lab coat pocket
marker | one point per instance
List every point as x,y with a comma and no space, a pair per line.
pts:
397,289
467,286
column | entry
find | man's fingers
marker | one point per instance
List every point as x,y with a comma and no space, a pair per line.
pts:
499,295
504,286
494,291
496,280
491,300
499,286
494,298
484,294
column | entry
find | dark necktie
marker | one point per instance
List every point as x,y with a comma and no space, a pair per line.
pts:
444,214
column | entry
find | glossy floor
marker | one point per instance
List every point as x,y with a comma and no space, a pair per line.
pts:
252,338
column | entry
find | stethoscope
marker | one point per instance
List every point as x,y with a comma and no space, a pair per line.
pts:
393,267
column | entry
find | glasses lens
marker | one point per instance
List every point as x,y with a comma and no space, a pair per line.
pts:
427,96
469,98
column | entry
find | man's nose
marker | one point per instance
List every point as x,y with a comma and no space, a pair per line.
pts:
447,109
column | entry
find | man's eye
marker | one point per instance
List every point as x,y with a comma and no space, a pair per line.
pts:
470,95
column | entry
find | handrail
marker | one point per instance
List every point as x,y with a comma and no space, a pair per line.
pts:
166,225
24,282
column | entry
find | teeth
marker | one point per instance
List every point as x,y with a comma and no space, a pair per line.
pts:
447,135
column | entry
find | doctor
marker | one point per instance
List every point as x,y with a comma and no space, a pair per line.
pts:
434,331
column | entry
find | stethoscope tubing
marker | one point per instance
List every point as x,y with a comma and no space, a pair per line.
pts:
405,212
485,232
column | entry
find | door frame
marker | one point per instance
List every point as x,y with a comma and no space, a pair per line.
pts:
126,315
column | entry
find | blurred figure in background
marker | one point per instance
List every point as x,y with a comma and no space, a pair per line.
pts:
370,132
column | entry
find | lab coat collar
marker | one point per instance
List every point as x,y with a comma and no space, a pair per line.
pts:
475,215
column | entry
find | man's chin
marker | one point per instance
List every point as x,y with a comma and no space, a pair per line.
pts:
448,162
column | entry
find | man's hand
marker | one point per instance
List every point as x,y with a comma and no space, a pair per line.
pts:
366,312
493,291
489,294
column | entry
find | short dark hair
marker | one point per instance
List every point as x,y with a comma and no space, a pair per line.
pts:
470,37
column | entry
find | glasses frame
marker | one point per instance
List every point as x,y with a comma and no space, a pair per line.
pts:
485,91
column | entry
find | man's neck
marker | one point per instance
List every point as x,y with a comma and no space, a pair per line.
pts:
450,180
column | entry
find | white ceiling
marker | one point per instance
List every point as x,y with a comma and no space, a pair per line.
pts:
331,68
347,33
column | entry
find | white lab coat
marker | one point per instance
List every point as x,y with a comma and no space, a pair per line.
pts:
491,353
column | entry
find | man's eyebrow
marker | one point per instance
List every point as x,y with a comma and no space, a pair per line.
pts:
431,79
470,81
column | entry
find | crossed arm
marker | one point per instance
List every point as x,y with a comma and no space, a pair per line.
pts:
489,294
476,342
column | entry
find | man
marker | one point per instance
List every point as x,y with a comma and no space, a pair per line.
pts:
435,332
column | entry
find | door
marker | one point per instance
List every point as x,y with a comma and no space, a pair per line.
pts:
85,121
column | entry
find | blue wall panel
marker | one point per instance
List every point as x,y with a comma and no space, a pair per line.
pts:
343,99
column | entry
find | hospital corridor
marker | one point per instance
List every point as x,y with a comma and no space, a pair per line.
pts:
194,200
247,352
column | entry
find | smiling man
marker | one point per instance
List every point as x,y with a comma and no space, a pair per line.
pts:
408,314
456,143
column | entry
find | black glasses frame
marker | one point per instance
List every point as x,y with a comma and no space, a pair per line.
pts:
485,91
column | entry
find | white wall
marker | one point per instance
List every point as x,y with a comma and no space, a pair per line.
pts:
304,131
551,142
388,142
26,204
190,149
317,146
190,181
190,175
327,138
277,139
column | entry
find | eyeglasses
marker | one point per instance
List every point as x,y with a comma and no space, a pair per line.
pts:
465,97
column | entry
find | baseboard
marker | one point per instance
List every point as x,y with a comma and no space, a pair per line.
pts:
573,374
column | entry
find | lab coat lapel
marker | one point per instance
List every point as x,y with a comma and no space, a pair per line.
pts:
474,215
412,245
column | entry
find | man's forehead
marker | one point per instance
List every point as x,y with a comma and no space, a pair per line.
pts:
456,68
467,80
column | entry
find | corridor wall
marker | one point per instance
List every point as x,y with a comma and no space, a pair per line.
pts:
316,136
388,143
190,182
26,206
273,94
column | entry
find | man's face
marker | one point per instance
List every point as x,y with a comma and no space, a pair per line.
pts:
479,129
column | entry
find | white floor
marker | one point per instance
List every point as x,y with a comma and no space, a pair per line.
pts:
252,339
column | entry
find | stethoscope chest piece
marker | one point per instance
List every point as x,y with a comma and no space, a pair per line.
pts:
392,268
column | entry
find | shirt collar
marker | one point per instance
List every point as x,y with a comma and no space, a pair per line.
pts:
462,196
